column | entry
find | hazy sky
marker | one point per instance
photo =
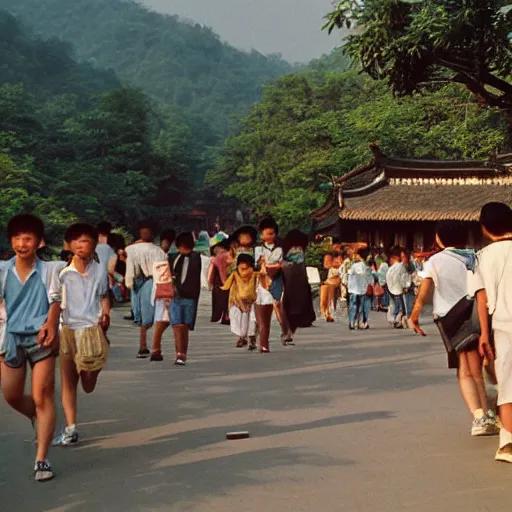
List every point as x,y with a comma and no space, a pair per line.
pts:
289,27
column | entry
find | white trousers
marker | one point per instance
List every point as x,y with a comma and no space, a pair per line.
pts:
242,324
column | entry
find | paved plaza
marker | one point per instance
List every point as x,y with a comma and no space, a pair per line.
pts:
343,421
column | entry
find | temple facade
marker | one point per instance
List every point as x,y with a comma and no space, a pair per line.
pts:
396,201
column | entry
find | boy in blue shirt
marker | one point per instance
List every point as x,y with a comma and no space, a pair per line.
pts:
31,292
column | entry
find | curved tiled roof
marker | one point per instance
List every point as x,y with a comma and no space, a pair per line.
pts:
395,189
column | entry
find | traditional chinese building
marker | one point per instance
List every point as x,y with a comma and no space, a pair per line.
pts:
396,201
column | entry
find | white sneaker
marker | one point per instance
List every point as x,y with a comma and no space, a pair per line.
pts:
68,437
479,427
504,454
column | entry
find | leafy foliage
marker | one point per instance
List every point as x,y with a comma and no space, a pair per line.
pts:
309,129
414,44
69,149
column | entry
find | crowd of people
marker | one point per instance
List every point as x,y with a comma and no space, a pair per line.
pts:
50,308
361,279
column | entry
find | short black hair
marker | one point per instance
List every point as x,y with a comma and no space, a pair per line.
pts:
245,258
395,252
147,224
364,253
295,238
104,228
116,241
26,223
78,229
169,235
268,223
185,239
452,233
496,218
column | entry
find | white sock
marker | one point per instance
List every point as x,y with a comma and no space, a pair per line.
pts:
71,428
505,437
478,414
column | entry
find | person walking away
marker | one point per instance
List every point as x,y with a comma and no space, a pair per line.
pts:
359,280
217,276
106,254
187,282
269,256
161,304
398,281
139,279
410,295
492,283
297,304
382,270
446,275
31,291
242,285
117,267
85,320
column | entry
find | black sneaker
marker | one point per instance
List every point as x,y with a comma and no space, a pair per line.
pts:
156,356
143,353
43,471
129,317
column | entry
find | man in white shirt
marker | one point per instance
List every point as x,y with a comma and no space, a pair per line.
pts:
398,280
492,283
139,279
359,278
445,274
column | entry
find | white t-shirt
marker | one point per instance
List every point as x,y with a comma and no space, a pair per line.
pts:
494,273
398,279
359,277
450,276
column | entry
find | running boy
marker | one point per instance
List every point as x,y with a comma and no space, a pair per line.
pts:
31,291
86,318
187,282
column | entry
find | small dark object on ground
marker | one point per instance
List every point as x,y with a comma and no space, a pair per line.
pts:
237,435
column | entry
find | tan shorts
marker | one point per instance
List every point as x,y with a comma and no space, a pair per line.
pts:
88,347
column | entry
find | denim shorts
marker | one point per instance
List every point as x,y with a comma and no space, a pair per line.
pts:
30,352
183,312
143,310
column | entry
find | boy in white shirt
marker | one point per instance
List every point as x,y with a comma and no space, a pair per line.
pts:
398,280
359,278
492,283
446,275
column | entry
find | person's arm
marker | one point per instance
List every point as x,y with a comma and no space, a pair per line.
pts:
111,269
484,345
48,332
424,292
130,270
105,313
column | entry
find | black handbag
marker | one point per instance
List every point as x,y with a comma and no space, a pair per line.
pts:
460,327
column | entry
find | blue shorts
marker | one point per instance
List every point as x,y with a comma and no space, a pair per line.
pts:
143,310
183,312
29,351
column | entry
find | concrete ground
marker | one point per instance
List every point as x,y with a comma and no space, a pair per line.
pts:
359,421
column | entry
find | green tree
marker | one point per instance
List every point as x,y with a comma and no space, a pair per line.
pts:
413,44
308,130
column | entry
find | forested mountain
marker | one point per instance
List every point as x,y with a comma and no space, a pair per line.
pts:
75,144
183,64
